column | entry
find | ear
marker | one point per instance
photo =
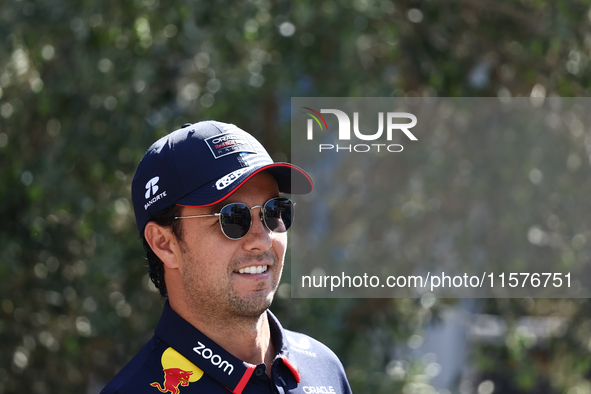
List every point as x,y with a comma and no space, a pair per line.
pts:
164,243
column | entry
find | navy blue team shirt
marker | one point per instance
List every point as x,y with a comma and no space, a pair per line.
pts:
179,359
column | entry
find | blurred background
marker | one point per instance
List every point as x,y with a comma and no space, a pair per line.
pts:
86,87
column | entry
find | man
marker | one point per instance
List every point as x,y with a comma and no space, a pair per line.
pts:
207,205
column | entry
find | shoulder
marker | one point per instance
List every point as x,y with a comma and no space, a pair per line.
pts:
318,365
144,368
300,346
307,346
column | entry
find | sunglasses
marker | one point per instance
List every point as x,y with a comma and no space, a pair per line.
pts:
236,219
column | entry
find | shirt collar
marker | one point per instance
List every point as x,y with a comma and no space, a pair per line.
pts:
278,335
222,366
216,362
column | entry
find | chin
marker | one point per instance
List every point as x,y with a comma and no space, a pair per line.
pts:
253,306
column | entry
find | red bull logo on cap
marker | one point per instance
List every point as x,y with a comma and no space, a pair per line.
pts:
178,372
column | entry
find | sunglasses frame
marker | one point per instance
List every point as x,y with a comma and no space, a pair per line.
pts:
261,216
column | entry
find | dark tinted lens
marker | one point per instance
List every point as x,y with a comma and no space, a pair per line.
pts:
278,214
235,220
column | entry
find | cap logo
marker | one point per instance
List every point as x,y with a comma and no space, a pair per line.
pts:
227,143
227,180
152,187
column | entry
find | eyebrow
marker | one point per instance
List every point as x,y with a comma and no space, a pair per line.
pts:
218,207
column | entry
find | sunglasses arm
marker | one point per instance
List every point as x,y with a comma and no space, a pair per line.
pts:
197,216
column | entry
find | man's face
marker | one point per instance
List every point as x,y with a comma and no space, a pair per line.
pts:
211,262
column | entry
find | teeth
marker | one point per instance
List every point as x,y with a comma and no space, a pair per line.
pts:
254,269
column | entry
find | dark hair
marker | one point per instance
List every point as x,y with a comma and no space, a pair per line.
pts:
165,218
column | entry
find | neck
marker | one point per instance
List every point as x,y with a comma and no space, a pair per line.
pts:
248,339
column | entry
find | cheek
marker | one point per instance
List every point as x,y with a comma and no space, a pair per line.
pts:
205,250
205,237
280,245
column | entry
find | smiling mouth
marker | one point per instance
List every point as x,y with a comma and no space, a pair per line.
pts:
255,269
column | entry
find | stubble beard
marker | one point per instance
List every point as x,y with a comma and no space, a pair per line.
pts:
218,300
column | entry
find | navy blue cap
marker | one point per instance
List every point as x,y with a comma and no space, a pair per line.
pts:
201,165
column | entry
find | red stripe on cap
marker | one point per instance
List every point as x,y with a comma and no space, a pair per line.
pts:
242,384
250,176
292,368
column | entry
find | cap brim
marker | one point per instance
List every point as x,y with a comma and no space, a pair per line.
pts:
290,179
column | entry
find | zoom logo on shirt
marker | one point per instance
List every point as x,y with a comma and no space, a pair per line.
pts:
215,359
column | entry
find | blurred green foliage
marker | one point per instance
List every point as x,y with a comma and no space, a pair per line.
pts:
86,86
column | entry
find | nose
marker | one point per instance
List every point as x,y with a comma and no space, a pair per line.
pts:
259,236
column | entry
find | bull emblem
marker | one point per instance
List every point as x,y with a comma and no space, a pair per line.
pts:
173,378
